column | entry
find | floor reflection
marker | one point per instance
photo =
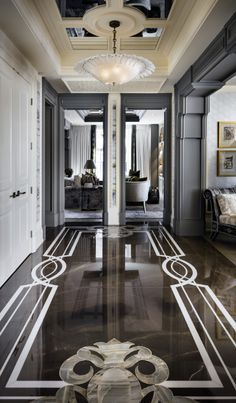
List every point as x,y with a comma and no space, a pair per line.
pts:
136,283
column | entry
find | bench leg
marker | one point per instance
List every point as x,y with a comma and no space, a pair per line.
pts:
213,235
144,207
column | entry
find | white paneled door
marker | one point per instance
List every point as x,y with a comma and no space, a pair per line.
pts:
15,198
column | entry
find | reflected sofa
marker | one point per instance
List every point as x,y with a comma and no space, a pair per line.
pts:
222,206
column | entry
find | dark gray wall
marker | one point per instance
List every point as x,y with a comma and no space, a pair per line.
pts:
154,154
67,149
51,164
208,74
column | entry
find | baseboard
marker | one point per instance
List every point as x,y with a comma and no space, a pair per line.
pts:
122,218
38,238
188,227
61,217
52,219
105,218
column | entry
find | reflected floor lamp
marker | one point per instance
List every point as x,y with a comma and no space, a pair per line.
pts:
89,164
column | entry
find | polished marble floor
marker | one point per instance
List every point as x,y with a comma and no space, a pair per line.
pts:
87,284
134,213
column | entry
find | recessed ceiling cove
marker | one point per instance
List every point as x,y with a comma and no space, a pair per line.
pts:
97,20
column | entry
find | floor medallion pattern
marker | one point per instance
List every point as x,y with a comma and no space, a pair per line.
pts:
113,382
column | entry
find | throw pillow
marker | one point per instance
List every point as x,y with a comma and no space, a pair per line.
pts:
77,180
227,203
69,182
89,178
134,173
86,179
132,179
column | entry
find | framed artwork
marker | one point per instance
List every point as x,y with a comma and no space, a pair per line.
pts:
226,163
227,134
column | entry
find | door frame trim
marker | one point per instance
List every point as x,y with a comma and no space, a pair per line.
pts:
149,101
84,101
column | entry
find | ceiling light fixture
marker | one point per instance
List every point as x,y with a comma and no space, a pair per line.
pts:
117,68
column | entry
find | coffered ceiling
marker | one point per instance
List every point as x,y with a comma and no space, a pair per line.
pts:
56,44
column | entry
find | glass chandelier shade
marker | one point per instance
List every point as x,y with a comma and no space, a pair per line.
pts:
116,68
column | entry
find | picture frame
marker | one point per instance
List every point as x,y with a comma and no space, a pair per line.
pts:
226,163
226,134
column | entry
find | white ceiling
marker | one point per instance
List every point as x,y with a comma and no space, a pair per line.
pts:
75,119
152,117
148,117
37,29
231,82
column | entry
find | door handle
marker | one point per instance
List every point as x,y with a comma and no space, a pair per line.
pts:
18,193
13,195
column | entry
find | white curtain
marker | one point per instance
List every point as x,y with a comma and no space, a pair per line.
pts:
80,147
143,150
128,137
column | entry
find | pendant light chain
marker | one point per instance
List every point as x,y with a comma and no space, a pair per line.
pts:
114,24
114,41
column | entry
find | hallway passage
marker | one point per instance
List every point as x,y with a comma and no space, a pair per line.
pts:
87,284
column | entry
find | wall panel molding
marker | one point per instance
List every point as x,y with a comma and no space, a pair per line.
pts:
207,75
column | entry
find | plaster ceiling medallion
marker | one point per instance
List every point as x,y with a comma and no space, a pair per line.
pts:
116,69
97,20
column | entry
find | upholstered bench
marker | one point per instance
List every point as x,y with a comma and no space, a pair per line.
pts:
222,203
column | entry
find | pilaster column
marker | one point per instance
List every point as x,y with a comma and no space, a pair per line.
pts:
112,215
188,164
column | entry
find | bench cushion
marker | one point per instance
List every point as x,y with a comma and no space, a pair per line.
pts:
227,203
228,219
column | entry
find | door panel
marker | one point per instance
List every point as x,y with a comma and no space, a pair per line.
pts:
6,132
6,237
21,164
22,180
23,234
15,213
6,173
22,169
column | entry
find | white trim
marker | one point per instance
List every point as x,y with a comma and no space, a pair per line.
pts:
215,380
216,316
46,254
22,331
16,309
11,302
12,381
181,252
75,244
210,339
152,242
222,308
